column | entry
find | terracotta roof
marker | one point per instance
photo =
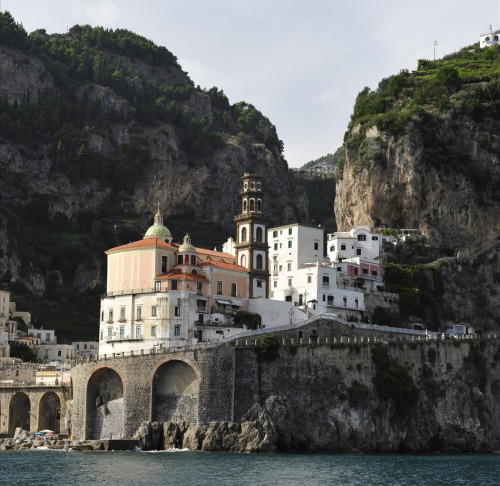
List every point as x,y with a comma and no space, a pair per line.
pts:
229,266
147,242
176,274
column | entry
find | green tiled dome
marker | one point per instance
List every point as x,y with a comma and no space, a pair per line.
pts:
158,230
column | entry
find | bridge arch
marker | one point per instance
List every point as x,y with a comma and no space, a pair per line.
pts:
19,412
49,412
174,390
104,410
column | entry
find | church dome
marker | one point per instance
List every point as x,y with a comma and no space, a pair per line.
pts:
158,230
187,247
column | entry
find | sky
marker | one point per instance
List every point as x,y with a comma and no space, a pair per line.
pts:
300,62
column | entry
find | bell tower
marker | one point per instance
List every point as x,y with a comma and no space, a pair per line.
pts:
251,236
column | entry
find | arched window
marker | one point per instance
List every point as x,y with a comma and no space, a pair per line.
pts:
244,205
243,234
194,272
252,205
259,205
243,261
258,186
258,235
258,262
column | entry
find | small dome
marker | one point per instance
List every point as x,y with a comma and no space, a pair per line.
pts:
187,247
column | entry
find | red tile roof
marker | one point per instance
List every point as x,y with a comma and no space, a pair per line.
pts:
216,263
144,243
176,274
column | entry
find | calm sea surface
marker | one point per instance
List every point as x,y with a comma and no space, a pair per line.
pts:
50,467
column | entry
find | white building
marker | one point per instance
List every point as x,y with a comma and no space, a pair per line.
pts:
358,242
301,274
489,38
85,349
46,336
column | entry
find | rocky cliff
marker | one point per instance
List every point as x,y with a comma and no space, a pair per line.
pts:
98,127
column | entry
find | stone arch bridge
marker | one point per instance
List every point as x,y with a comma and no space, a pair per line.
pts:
33,408
112,397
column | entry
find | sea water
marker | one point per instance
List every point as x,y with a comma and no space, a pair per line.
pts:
59,467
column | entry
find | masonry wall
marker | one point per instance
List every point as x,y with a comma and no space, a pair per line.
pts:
214,368
35,394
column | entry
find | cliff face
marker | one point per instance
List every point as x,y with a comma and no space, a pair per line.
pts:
395,181
400,396
88,162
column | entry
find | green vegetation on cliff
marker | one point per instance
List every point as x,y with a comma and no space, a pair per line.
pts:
101,82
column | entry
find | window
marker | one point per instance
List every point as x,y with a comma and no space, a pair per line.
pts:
177,330
358,251
275,284
179,259
259,284
361,237
289,282
153,331
374,273
259,262
332,248
243,234
46,354
316,245
227,320
193,259
275,268
153,311
219,287
275,246
289,243
77,346
356,303
289,231
199,288
258,235
59,352
244,205
289,267
326,281
174,285
309,279
110,315
365,271
102,335
275,234
252,205
324,297
342,247
258,186
345,301
122,332
330,300
177,311
138,332
243,261
163,264
157,286
233,290
259,206
139,313
110,333
374,238
355,271
47,336
102,316
122,313
202,305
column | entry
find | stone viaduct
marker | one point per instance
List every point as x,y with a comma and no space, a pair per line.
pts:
33,408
